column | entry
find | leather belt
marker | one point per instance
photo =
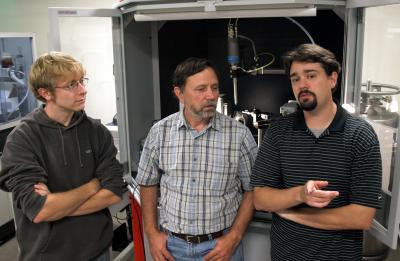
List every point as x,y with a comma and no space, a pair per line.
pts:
197,239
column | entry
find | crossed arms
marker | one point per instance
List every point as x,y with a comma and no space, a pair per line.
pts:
281,201
85,199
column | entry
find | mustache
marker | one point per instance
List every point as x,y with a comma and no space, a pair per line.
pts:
213,103
305,91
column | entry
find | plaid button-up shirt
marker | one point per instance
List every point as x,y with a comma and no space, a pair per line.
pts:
202,175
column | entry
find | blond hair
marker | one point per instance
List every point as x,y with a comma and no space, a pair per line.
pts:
49,68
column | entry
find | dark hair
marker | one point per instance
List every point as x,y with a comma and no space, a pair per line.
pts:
190,67
314,54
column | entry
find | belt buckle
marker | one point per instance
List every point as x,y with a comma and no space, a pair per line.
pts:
189,239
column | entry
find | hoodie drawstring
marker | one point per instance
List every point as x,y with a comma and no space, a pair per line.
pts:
79,146
62,145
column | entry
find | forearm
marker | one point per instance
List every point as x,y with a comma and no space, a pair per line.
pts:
59,205
243,217
102,199
352,216
148,200
272,199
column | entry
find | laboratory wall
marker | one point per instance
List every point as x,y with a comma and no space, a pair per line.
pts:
32,17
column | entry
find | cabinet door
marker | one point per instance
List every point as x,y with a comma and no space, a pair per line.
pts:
5,209
373,92
95,38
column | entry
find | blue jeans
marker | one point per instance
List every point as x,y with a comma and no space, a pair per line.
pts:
184,251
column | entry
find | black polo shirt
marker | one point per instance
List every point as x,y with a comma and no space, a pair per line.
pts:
346,154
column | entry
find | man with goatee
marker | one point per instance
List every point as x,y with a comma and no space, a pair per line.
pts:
318,169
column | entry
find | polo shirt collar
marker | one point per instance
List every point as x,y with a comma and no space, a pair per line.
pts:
336,125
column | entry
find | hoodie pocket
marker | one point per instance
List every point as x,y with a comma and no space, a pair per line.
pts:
78,238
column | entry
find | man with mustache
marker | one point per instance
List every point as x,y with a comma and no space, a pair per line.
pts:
61,168
201,160
318,169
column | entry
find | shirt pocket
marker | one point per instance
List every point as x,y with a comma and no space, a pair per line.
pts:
220,177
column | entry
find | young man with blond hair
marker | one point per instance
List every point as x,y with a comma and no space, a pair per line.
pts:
61,168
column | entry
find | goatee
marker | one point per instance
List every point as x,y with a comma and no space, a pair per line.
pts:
307,104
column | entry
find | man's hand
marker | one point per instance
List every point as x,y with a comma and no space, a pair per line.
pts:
313,195
41,189
158,246
224,249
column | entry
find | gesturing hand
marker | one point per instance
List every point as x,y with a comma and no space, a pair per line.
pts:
313,195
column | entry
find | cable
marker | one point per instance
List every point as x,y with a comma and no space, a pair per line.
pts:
233,52
133,187
119,219
302,28
236,30
12,75
261,67
252,44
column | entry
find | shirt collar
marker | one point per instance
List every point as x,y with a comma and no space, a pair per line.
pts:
215,122
336,125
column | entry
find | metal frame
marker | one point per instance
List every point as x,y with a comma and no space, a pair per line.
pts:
134,5
369,3
178,10
214,5
354,59
225,14
156,69
349,62
389,235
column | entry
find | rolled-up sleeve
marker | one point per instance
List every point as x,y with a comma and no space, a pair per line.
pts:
148,170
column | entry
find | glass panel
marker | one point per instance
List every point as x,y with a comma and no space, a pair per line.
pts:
89,40
16,100
380,89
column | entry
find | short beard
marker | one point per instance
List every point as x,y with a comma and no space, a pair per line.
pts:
203,114
310,104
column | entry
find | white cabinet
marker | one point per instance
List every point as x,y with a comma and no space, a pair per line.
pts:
7,228
5,208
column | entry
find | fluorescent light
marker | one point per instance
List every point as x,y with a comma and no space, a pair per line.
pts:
289,12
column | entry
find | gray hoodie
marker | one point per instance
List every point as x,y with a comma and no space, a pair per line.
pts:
41,150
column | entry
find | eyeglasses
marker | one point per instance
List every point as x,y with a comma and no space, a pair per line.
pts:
72,86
